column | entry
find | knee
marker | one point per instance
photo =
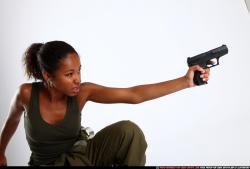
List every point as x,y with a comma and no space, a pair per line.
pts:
128,126
131,130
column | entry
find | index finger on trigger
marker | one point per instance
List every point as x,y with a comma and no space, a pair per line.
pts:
200,69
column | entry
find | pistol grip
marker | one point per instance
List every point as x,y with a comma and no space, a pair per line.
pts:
197,80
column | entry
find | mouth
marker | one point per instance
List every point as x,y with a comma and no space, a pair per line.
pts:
76,89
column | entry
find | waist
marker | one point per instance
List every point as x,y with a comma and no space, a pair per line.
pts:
76,150
43,154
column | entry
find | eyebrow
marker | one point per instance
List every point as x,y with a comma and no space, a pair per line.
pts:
73,69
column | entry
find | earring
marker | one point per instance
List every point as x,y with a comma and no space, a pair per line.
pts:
49,83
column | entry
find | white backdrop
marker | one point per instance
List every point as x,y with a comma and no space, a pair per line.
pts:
133,42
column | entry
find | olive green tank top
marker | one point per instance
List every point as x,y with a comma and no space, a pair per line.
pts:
48,141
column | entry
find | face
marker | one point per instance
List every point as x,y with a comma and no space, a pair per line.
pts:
67,78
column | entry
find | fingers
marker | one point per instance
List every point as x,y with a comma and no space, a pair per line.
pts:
205,75
3,164
3,160
207,70
198,68
204,72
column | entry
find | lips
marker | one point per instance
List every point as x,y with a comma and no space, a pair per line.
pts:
76,89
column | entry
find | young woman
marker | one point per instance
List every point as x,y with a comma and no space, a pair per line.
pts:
52,111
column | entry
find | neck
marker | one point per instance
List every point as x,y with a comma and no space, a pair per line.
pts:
53,94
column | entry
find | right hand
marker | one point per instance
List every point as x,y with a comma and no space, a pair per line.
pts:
190,74
3,160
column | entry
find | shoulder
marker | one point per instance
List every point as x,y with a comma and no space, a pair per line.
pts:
84,94
87,85
21,98
87,88
24,92
25,89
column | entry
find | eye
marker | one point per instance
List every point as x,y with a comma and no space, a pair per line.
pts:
69,74
79,70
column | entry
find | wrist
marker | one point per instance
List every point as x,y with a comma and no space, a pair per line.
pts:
186,82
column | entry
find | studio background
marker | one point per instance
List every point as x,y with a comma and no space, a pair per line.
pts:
133,42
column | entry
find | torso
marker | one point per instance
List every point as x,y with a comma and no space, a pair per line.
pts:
46,107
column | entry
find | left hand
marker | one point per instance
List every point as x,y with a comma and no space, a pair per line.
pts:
190,74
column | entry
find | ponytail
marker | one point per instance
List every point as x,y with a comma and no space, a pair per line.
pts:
30,61
46,57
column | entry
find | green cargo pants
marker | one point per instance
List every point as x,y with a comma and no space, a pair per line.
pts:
121,143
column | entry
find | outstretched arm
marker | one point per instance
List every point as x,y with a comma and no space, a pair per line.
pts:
142,93
10,126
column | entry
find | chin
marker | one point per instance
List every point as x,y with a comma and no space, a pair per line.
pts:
72,94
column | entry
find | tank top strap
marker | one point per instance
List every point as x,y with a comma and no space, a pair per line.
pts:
73,104
33,103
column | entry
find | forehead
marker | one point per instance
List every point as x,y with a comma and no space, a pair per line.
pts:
71,61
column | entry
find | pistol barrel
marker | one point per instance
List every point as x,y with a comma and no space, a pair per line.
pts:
202,58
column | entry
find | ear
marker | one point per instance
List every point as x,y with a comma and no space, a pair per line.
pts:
46,75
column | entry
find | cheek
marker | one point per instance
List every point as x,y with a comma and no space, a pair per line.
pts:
63,84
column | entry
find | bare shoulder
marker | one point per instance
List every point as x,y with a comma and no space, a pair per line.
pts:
83,95
87,87
20,100
25,93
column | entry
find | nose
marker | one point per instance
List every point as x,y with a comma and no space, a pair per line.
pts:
77,78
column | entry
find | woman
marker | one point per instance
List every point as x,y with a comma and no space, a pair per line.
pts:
52,111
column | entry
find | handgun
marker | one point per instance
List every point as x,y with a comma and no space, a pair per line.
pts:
206,60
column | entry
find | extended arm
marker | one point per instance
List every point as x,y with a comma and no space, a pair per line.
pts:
142,93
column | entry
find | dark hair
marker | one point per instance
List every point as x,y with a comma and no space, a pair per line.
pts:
46,56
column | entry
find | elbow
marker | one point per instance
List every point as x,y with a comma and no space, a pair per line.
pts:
137,100
135,97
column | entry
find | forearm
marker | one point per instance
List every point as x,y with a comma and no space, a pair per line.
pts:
153,91
6,134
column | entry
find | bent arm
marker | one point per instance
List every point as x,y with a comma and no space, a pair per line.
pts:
16,110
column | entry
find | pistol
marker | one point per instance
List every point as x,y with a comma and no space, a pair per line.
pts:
206,60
